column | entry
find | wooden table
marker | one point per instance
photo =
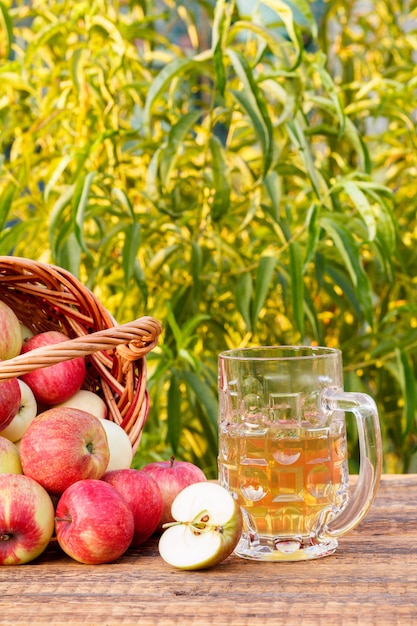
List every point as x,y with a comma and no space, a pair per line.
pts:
371,579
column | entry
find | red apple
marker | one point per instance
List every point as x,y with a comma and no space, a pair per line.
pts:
64,445
10,398
93,522
171,477
9,457
57,382
121,452
26,519
144,498
10,333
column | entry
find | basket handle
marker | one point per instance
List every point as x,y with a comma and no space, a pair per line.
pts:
132,341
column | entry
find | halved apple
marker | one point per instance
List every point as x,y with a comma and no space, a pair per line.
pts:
206,530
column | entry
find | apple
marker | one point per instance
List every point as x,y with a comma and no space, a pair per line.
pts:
63,445
27,332
121,452
10,332
144,498
86,401
26,413
172,476
26,519
58,382
206,530
9,457
10,397
93,522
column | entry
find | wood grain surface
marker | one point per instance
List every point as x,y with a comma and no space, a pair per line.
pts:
371,579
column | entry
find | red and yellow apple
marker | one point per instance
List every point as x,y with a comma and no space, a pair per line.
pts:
171,477
63,445
26,519
144,498
121,452
10,332
57,382
93,522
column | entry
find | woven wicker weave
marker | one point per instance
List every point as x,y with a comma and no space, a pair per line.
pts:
46,297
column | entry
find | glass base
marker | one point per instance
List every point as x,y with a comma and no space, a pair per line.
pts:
261,548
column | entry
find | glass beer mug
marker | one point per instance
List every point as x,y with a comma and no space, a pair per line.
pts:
283,450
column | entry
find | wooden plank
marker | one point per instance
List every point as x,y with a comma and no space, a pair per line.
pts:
371,579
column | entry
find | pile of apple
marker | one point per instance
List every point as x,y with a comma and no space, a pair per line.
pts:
65,474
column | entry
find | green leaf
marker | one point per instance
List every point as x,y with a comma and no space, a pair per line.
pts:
408,389
6,199
57,223
110,29
349,252
196,269
252,101
221,180
125,202
174,413
361,203
176,138
341,279
175,329
297,285
286,15
130,250
262,284
271,39
6,28
159,258
352,133
12,236
205,398
296,132
69,255
77,68
273,187
56,174
79,206
327,82
175,69
220,25
243,297
313,233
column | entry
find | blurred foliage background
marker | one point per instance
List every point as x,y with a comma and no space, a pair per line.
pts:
242,171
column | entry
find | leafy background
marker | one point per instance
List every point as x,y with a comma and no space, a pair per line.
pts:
244,172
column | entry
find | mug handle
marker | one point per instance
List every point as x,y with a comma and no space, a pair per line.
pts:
365,411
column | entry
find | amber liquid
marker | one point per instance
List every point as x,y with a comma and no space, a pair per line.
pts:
285,479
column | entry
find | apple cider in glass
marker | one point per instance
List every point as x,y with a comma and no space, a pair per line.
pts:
283,450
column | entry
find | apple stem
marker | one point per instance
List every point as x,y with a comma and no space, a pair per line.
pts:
171,462
5,536
169,524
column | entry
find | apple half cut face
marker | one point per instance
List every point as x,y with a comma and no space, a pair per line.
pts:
206,530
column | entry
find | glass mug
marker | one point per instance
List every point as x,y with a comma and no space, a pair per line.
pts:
283,450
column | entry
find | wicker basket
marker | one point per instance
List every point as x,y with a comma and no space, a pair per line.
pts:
46,297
